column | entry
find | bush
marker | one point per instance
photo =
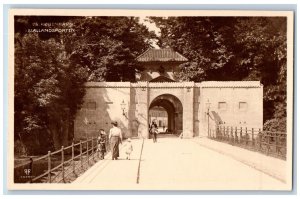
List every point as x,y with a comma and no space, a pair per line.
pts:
276,124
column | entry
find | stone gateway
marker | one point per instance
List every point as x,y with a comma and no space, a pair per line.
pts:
191,108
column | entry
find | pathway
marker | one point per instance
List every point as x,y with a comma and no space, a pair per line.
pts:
176,164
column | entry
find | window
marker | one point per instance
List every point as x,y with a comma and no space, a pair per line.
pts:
222,106
91,105
243,106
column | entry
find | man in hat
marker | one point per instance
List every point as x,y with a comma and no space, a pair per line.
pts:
115,138
154,130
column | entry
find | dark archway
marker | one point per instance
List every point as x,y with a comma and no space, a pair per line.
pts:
173,108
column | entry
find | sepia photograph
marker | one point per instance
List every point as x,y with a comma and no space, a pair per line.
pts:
150,100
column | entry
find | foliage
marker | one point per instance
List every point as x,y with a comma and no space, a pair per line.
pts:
233,48
109,46
51,68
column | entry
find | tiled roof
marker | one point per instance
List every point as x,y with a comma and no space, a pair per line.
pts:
161,55
230,84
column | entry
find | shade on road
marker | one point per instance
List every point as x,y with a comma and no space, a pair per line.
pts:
179,164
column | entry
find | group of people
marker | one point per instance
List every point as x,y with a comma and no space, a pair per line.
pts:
115,139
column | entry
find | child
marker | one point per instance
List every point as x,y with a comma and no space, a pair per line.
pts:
128,148
101,141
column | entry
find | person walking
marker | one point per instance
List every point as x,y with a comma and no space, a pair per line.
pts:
115,138
101,141
154,131
128,148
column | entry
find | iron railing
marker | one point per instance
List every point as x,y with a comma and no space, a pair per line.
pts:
58,165
267,142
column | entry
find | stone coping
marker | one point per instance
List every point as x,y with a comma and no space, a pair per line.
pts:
205,84
231,84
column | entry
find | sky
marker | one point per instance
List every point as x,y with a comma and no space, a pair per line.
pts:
151,27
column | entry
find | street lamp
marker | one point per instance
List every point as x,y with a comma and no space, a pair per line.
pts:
123,107
138,75
208,107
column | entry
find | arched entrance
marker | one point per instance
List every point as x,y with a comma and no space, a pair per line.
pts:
167,110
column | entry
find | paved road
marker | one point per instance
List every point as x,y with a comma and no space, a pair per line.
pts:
174,163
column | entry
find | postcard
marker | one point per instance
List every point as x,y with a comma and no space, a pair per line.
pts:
150,99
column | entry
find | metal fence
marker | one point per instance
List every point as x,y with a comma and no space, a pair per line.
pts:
267,142
58,165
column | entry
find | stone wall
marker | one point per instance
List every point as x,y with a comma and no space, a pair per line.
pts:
102,104
233,103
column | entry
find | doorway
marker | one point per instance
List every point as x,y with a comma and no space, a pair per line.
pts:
166,110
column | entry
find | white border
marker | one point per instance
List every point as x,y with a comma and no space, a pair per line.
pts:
123,12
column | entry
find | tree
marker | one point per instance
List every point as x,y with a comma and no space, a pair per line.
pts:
199,39
233,48
52,67
108,46
37,91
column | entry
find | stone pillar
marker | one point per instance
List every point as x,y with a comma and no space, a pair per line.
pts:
202,113
142,95
188,110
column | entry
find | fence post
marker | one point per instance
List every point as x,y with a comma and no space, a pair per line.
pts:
97,149
228,133
30,167
276,143
80,145
231,135
93,148
241,135
235,135
246,136
260,138
87,150
49,166
62,163
73,162
268,143
252,137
